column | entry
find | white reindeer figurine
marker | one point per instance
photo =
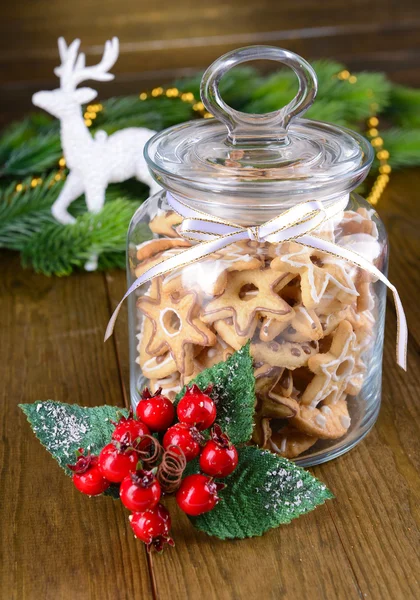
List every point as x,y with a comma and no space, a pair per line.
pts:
93,162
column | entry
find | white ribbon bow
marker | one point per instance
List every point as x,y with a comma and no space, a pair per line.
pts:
295,224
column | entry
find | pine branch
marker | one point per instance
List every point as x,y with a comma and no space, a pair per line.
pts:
338,101
23,214
236,87
154,113
403,147
33,157
404,108
59,249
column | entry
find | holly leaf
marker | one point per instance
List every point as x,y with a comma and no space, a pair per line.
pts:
233,391
264,491
64,428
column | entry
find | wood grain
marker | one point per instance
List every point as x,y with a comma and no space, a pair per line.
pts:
161,41
55,543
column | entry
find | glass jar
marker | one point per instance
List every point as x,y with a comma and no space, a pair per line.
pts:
315,319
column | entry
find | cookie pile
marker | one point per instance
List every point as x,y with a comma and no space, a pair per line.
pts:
309,315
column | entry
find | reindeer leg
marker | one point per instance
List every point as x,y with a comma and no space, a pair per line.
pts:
73,188
95,198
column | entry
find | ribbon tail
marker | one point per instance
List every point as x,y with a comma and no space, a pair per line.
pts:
182,259
360,261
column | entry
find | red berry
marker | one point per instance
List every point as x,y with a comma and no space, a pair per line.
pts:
197,408
140,491
129,425
156,411
152,527
117,459
219,457
198,494
184,436
87,477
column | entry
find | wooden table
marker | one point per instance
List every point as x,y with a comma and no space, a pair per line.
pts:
58,544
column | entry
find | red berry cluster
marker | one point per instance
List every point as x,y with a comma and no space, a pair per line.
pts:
196,412
121,462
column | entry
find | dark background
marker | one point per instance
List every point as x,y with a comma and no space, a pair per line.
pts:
164,40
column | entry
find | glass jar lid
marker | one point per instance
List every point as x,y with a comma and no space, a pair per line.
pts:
274,156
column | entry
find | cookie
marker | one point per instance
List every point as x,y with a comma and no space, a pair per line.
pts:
329,421
176,327
249,294
318,271
296,259
209,357
164,222
289,442
170,386
342,275
290,355
358,222
271,404
207,276
332,369
150,248
262,430
155,260
242,256
330,321
305,326
226,330
153,367
362,345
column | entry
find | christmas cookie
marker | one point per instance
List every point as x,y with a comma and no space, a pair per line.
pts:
249,294
272,405
302,261
329,421
209,357
152,247
289,442
305,326
262,430
155,260
165,222
290,355
170,385
228,332
153,367
209,275
332,369
176,327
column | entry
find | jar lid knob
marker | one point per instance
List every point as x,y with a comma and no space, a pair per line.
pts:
265,128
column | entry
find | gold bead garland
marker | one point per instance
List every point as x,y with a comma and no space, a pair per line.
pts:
198,107
382,179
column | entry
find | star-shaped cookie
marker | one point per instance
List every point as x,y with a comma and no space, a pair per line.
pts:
333,369
318,271
249,294
176,327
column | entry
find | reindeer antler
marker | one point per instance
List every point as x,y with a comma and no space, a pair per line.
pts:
73,71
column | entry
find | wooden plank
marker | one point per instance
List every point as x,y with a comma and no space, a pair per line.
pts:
54,542
165,35
399,209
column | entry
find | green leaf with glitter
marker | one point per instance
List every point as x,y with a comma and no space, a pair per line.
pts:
63,428
264,491
233,391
